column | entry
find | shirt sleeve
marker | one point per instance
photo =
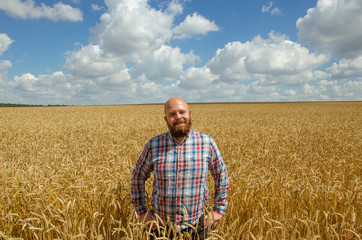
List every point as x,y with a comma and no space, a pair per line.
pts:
218,171
140,174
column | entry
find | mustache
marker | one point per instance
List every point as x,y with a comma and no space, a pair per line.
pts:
180,121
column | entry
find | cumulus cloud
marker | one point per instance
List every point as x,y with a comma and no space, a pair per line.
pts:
194,24
279,56
5,42
131,51
4,66
342,90
91,67
29,83
197,78
52,88
163,64
276,57
29,10
131,58
347,68
130,46
90,62
175,8
333,26
131,28
25,82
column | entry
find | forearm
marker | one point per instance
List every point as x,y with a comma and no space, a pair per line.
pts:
221,191
139,176
222,184
138,195
218,171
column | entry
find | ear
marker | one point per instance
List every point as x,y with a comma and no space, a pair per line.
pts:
190,113
165,118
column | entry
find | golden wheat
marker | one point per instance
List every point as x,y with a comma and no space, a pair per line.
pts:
295,169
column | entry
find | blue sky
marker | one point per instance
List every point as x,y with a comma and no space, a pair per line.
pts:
93,52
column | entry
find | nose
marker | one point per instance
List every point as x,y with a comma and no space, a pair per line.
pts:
178,115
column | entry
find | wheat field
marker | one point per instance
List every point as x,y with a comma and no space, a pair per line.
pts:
295,169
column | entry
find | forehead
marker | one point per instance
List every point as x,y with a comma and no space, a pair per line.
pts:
174,106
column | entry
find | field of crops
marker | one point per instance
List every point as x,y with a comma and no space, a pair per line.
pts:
295,169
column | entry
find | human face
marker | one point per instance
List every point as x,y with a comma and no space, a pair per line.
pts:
178,118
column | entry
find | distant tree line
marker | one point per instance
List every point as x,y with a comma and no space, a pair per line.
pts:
24,105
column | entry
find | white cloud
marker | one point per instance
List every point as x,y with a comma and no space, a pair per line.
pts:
175,8
131,59
131,27
347,68
276,11
118,60
25,82
347,90
229,63
29,10
193,25
4,66
268,8
95,7
310,90
43,89
279,56
276,57
50,81
130,46
197,78
5,42
290,92
339,90
333,26
163,64
90,62
320,75
30,83
119,80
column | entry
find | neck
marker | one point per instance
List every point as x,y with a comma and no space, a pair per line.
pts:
180,139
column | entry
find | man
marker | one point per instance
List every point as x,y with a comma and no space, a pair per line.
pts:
179,160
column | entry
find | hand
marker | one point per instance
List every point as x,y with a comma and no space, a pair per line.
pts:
147,217
211,220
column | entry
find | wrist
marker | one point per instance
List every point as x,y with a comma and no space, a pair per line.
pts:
218,212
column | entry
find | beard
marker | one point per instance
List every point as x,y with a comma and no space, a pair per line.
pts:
180,131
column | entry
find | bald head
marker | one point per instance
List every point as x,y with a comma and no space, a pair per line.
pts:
174,102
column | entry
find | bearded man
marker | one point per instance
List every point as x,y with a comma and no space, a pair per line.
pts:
179,160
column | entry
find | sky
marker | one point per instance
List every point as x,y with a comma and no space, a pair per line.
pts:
93,52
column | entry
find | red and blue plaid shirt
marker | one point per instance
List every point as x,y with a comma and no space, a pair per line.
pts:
180,189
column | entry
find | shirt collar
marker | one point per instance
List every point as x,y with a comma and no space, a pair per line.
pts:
175,140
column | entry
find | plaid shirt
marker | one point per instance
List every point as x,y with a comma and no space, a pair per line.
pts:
180,170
